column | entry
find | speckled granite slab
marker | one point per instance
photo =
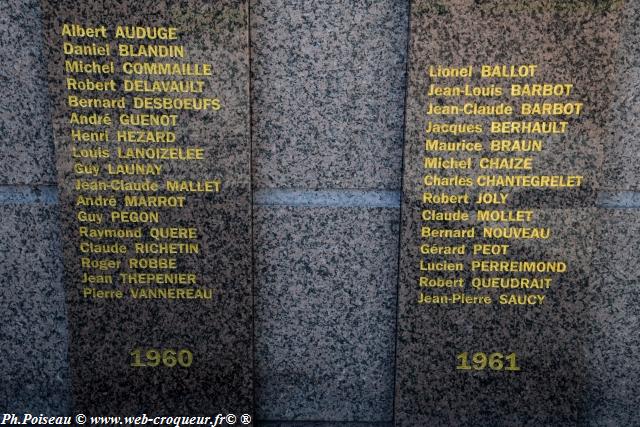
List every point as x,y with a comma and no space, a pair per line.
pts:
35,374
621,168
568,43
327,93
325,277
26,148
209,315
612,316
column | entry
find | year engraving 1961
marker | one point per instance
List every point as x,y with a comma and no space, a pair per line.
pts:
481,361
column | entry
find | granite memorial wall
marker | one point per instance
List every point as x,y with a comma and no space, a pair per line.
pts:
317,213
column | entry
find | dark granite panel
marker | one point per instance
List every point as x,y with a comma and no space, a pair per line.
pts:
613,320
209,316
568,43
328,90
325,313
34,367
621,170
26,146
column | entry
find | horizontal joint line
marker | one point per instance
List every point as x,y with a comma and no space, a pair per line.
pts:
328,198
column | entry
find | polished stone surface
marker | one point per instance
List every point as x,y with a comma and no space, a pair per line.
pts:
327,94
217,330
328,90
26,144
33,335
325,313
613,318
621,170
570,43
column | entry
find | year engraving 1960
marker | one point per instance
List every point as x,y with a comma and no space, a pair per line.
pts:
166,357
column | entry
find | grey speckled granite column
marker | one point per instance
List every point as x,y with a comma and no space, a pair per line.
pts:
325,301
26,145
327,95
613,311
34,372
34,375
570,42
612,316
621,169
